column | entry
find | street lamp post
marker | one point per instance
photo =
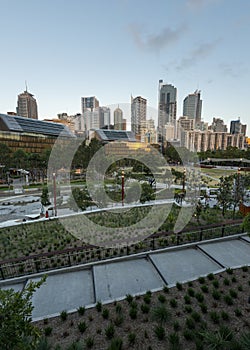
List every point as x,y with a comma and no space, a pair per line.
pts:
54,190
122,188
184,180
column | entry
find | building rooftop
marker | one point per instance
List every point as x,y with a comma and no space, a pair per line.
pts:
115,135
27,125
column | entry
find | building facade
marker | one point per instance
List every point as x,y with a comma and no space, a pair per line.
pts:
237,128
118,117
27,105
192,106
167,104
138,114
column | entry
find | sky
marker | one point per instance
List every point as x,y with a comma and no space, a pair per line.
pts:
65,49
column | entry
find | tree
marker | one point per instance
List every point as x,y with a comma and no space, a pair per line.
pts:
246,223
79,199
17,331
224,197
45,196
147,193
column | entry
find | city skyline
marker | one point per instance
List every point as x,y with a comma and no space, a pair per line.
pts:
124,48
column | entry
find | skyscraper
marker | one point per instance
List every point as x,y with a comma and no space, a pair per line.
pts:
118,116
138,114
192,106
26,105
89,103
237,128
90,113
167,105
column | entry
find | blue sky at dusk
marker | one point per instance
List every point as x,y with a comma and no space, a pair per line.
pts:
115,48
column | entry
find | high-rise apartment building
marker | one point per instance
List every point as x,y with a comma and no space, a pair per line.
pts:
138,114
237,128
93,116
218,125
192,106
105,117
118,117
26,105
89,103
167,104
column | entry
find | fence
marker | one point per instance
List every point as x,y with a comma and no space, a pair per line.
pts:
75,256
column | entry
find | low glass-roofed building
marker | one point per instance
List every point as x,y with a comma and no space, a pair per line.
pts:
31,135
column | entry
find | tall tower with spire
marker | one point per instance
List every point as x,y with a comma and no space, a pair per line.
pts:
27,105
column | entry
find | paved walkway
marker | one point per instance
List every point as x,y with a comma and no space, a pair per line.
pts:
109,280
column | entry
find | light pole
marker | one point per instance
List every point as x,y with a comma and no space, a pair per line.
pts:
54,190
122,188
184,180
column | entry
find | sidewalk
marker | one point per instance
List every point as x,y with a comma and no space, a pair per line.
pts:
69,288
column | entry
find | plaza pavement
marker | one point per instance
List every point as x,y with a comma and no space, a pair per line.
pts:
109,280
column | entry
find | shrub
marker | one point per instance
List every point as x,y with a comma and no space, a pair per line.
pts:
105,313
233,293
118,308
48,331
191,292
215,284
99,306
210,276
244,268
187,299
196,316
240,288
199,297
224,315
64,315
159,332
174,340
188,309
110,331
229,271
204,289
228,300
176,326
173,303
179,286
215,317
82,326
81,310
216,294
131,338
238,312
188,334
201,280
166,289
226,281
190,323
129,298
133,313
147,298
234,279
145,308
203,308
89,342
162,298
116,344
161,314
118,321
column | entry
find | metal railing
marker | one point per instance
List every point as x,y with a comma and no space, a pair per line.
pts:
75,256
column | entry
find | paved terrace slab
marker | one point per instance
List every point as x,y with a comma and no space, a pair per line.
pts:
63,291
69,288
230,253
118,279
183,264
